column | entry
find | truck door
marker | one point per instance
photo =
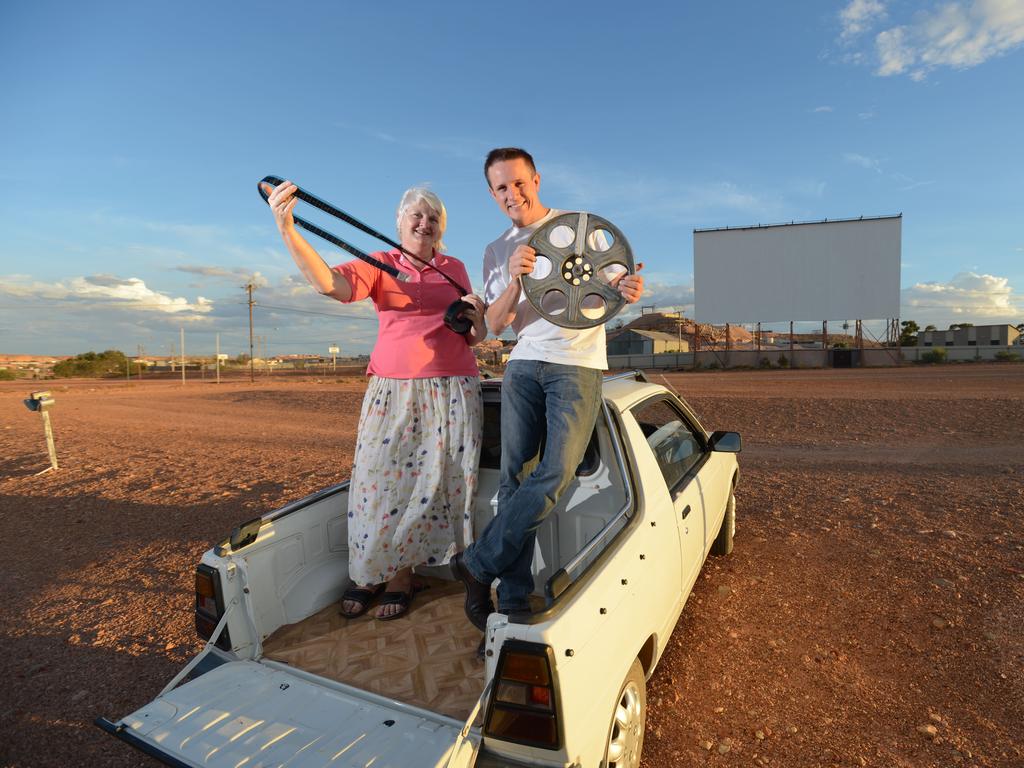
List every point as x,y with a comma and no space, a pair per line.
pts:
679,452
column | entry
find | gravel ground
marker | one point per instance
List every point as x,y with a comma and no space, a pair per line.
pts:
871,613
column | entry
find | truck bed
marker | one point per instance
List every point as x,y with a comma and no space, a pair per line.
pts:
427,658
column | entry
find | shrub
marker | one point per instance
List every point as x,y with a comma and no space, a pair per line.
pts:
934,356
1006,356
783,361
90,364
764,362
6,374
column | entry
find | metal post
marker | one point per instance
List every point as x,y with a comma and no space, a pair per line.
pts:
182,355
728,342
252,370
49,440
42,402
218,358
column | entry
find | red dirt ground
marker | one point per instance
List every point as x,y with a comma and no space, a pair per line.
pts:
871,613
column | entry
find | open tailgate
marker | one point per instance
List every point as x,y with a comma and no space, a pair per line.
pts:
255,714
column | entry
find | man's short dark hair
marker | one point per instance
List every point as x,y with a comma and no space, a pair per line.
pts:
507,153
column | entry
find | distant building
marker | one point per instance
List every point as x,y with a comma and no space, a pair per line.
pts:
974,336
637,342
31,366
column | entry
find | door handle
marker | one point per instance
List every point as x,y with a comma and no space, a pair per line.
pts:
686,511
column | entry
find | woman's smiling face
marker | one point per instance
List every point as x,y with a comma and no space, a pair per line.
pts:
421,226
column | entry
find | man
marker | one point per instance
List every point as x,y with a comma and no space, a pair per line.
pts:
551,395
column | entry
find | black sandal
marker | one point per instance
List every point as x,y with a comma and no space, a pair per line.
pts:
360,595
401,599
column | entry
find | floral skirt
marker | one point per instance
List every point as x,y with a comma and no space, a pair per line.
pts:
415,474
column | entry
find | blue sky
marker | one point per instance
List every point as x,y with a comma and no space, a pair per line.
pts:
134,133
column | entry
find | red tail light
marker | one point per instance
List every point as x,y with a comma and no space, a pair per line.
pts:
523,707
210,605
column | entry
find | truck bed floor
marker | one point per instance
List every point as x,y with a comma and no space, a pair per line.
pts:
426,658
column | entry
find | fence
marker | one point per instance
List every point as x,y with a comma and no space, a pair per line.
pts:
874,357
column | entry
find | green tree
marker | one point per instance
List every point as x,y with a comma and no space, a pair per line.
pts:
958,326
930,328
908,333
112,362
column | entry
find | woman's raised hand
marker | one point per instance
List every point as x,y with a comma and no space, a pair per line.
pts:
282,202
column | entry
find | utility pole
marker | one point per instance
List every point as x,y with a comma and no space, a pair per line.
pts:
218,358
182,354
252,372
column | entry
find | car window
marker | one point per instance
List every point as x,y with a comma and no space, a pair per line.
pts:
490,448
675,445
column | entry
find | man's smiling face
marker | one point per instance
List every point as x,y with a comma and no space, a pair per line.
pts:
514,187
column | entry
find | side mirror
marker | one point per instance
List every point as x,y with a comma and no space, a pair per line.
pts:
726,442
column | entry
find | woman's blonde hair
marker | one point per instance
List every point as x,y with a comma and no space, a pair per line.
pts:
414,195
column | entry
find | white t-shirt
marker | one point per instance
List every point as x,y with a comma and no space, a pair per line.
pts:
537,338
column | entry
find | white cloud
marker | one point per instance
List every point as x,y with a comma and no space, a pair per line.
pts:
236,275
968,297
858,16
664,296
823,109
656,196
113,292
894,56
863,161
959,34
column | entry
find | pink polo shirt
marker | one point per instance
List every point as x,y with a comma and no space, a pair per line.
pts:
412,341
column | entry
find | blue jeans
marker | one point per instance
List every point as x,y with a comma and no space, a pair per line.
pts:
541,404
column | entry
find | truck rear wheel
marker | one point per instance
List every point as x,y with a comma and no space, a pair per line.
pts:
626,731
723,542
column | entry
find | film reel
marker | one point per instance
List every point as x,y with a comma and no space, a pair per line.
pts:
583,249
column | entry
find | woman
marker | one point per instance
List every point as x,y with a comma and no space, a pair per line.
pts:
414,475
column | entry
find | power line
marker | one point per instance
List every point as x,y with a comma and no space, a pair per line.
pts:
313,312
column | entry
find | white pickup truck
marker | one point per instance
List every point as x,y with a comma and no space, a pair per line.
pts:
286,681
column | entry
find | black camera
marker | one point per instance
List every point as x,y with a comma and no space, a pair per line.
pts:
455,318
